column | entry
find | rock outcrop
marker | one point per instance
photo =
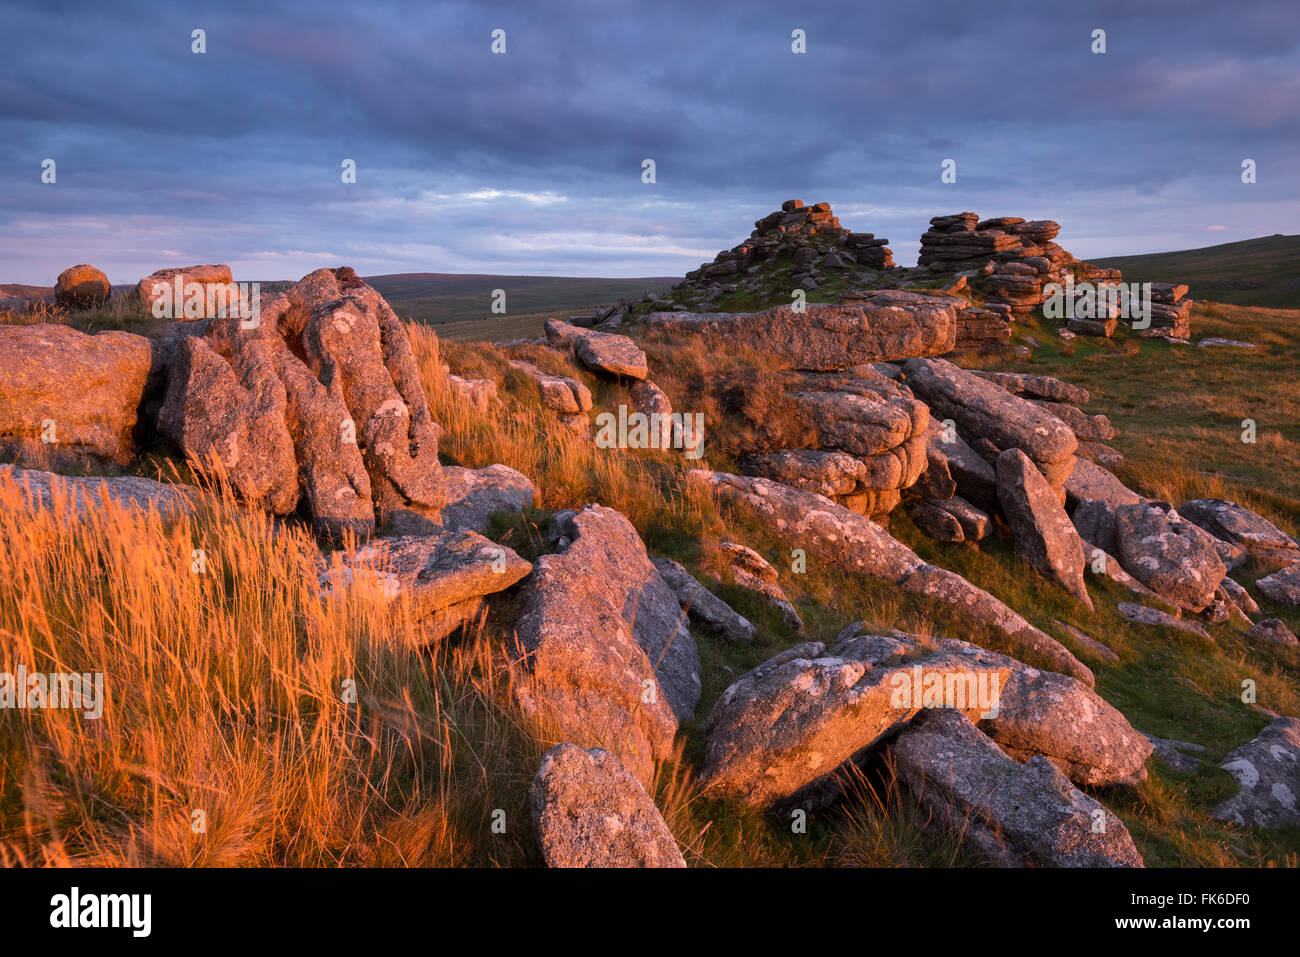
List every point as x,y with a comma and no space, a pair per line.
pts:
590,811
1012,815
846,540
66,397
605,352
824,337
328,372
1042,531
214,285
608,659
1170,556
1240,526
444,578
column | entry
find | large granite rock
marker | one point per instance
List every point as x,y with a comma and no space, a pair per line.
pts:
590,811
1172,557
1239,525
600,351
162,285
783,730
851,542
988,416
609,661
1043,533
1012,815
66,396
825,337
348,400
475,495
443,577
81,287
1268,770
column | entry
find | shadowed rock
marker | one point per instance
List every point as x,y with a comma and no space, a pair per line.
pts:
702,605
1239,525
1043,533
475,495
85,493
1268,770
590,811
1283,586
1012,814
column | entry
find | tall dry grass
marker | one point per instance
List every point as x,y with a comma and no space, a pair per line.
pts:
227,693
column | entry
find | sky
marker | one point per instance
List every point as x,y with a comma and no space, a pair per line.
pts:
531,161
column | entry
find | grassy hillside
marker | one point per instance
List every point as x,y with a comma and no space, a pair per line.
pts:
445,298
1254,272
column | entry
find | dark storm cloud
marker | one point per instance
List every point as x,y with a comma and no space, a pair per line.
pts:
530,162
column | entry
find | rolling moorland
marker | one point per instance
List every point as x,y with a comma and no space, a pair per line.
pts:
234,673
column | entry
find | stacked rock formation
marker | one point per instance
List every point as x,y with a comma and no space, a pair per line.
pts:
320,402
806,238
1171,311
1008,260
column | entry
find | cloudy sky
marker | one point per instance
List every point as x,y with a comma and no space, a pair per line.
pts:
530,162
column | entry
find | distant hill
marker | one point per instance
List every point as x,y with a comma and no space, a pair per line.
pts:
438,298
1254,272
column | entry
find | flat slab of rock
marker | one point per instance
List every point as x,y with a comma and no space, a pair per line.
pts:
66,396
785,728
702,605
590,811
1172,557
609,660
1268,770
1043,533
1282,586
1239,525
1141,615
1038,387
86,492
600,351
442,576
846,540
1008,813
825,337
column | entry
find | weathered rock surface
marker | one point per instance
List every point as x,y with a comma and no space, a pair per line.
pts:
1273,630
1239,525
66,396
750,570
1268,770
825,337
162,283
565,396
782,730
444,577
849,541
1011,814
1043,533
1172,557
609,661
81,287
1282,586
985,411
590,811
475,495
84,493
1042,387
479,393
600,351
329,370
1141,615
702,605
